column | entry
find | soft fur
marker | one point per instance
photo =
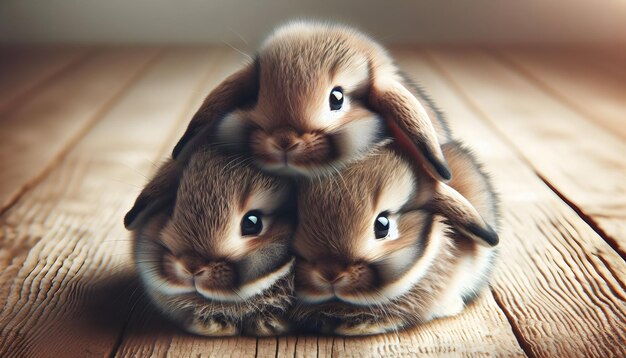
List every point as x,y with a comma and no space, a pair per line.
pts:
190,254
276,108
436,260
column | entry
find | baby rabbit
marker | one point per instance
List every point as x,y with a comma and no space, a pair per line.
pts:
212,246
314,99
385,246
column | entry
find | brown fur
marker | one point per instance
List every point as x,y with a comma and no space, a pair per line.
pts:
277,107
339,259
191,257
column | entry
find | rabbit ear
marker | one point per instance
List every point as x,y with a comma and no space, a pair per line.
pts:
409,123
158,195
462,215
237,90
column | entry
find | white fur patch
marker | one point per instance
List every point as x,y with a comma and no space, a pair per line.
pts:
359,135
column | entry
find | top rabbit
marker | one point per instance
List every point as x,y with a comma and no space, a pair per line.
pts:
315,98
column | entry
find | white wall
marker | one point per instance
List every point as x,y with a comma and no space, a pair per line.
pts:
195,21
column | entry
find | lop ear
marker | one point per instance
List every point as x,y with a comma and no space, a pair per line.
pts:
158,195
408,123
237,90
462,215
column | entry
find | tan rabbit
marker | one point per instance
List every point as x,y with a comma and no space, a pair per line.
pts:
315,98
212,246
384,246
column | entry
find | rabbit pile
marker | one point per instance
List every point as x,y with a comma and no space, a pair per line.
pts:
316,189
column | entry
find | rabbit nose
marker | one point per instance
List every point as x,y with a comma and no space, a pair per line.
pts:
193,263
216,275
332,272
286,140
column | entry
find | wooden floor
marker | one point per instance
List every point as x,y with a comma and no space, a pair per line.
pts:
81,128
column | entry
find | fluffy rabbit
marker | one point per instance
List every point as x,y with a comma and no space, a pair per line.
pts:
314,99
385,246
212,246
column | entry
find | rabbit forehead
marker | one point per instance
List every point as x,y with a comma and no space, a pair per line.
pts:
214,194
339,212
298,71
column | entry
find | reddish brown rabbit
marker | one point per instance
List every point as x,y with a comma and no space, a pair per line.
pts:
384,246
212,246
315,98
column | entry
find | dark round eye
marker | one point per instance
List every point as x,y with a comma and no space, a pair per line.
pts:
252,223
381,226
336,99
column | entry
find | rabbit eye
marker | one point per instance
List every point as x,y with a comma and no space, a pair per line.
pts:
336,99
381,226
252,223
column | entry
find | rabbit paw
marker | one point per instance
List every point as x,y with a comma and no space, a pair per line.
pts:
211,327
265,326
448,308
367,327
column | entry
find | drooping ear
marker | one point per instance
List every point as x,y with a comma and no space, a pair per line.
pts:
237,90
462,215
158,195
408,123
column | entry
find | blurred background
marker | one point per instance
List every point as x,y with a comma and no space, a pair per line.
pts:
485,22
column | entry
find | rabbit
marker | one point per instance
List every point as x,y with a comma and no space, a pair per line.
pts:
211,246
385,246
314,99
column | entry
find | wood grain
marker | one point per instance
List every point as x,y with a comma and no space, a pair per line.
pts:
23,70
68,288
481,330
35,136
560,284
585,164
65,273
577,81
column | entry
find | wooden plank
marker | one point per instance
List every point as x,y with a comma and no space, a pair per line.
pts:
23,70
35,136
65,267
560,284
577,81
584,163
481,330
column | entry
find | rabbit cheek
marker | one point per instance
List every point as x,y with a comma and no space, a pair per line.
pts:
175,273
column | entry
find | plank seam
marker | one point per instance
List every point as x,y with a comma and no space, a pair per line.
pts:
612,242
552,92
525,345
72,142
